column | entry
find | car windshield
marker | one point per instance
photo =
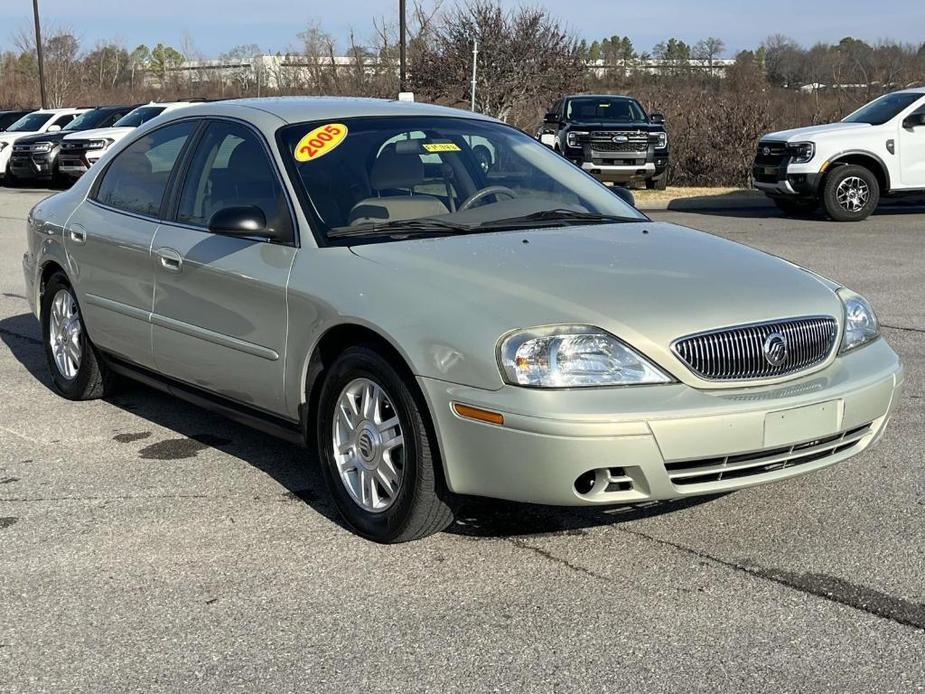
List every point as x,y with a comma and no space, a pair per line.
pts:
403,176
884,109
140,115
605,109
30,123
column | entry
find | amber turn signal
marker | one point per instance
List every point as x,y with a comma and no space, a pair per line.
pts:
477,414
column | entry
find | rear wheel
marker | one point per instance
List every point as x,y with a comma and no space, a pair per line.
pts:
851,193
77,370
796,208
376,450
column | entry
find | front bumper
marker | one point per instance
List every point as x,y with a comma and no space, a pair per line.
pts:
31,165
619,174
610,445
787,180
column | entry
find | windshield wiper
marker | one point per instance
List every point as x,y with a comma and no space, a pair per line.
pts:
401,227
556,215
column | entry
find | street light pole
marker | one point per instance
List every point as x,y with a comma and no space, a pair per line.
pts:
38,51
475,61
402,86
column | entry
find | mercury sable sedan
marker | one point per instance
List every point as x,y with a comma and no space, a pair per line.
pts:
441,306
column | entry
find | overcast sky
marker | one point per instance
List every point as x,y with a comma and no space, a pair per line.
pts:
216,25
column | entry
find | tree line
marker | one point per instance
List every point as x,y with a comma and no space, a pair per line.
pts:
527,58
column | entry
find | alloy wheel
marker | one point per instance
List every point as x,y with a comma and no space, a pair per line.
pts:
64,334
853,194
368,445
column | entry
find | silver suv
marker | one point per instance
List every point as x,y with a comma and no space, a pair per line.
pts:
440,306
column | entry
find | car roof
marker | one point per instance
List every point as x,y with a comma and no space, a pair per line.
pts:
296,109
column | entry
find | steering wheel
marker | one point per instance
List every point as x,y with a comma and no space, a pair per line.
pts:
485,192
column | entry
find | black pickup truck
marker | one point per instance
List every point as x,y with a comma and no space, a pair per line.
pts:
610,137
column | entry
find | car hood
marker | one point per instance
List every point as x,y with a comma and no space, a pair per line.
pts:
111,133
647,283
605,125
13,137
43,137
813,132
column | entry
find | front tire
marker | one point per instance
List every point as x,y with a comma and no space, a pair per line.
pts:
77,370
851,193
378,456
657,182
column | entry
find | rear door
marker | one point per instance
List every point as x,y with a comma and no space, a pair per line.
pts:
108,241
220,318
912,153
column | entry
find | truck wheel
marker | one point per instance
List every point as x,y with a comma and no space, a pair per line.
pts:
657,182
377,452
796,208
851,193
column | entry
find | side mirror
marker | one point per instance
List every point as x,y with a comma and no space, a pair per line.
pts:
244,220
914,121
551,117
53,128
625,194
657,119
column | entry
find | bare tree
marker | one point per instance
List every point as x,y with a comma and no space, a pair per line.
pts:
709,49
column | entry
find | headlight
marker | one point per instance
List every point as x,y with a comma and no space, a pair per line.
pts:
662,141
861,325
802,152
98,144
570,356
41,147
572,137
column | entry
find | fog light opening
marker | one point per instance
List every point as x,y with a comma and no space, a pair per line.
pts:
585,482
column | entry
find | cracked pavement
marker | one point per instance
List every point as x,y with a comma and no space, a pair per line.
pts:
148,545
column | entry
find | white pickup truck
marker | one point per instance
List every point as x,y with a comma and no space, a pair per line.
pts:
879,150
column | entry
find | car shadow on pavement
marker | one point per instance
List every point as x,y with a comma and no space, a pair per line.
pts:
295,469
765,209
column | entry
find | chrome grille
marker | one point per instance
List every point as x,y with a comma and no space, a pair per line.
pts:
619,146
74,144
739,353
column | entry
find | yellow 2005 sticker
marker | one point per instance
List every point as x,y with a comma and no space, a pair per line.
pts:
320,141
442,147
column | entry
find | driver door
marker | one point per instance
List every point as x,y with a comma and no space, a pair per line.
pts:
912,153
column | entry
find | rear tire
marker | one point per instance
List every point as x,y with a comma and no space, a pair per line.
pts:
851,193
386,492
77,370
796,208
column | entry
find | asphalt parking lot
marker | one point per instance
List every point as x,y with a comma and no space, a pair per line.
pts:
147,545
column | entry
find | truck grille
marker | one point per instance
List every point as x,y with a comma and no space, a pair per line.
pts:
706,470
763,350
770,153
73,145
603,141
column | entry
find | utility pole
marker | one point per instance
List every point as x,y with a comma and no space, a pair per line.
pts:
475,62
402,86
38,51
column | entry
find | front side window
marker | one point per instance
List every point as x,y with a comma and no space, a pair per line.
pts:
62,121
884,109
605,109
139,116
436,174
136,179
230,168
30,123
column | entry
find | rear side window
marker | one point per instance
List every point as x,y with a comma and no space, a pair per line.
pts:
230,168
137,178
62,121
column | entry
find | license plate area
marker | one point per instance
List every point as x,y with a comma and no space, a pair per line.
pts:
802,423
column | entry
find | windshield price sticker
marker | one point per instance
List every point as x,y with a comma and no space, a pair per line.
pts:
320,141
442,147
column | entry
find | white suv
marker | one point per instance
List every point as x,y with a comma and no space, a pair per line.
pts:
876,151
44,120
82,149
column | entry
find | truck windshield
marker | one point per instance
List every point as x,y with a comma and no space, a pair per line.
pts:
140,115
30,123
884,109
605,109
400,176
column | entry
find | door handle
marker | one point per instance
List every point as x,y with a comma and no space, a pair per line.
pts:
170,259
78,235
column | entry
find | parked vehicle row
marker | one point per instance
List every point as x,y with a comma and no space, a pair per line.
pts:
440,306
61,144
